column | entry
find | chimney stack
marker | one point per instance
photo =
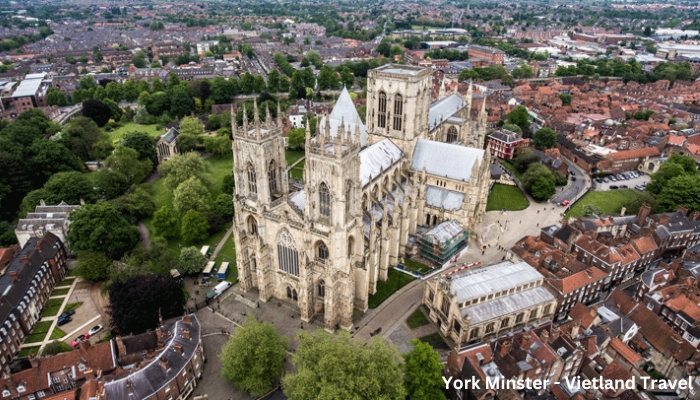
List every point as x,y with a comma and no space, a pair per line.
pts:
178,348
159,338
505,348
544,335
186,333
695,215
187,319
683,210
644,211
526,341
575,330
89,374
164,363
555,333
13,274
33,361
121,349
691,367
25,259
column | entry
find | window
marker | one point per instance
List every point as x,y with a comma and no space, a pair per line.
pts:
252,179
445,305
322,251
252,226
398,112
519,318
533,314
351,246
287,255
272,177
324,199
474,333
321,288
381,115
451,134
5,393
505,323
457,326
548,308
489,328
21,388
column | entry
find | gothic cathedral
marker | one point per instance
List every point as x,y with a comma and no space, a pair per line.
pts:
368,190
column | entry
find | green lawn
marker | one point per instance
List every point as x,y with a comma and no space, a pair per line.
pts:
42,327
511,167
35,337
25,352
66,282
52,307
609,201
72,306
422,27
292,156
415,266
57,334
510,197
436,341
118,134
60,292
228,253
395,281
298,170
417,319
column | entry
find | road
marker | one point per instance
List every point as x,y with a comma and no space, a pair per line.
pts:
575,188
393,310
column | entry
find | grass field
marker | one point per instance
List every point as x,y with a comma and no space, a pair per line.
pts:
415,266
228,253
436,341
66,282
395,281
298,170
609,201
293,156
510,197
417,319
57,333
422,27
25,352
60,292
35,337
42,327
118,134
52,307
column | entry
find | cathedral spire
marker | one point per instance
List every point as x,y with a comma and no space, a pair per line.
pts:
321,137
308,133
268,117
256,112
339,137
356,138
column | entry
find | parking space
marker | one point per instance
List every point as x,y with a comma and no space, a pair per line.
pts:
631,183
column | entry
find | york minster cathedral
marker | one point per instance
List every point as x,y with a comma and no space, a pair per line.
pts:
368,190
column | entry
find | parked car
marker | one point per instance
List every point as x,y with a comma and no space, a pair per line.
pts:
95,329
63,321
624,186
67,314
613,179
613,187
606,180
565,203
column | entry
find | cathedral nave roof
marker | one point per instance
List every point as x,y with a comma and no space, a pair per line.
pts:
377,158
445,159
444,109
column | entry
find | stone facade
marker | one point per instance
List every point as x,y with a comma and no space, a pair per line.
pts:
367,189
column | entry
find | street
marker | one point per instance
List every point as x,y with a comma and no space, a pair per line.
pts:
575,188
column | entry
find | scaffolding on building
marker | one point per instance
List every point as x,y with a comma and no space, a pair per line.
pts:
444,241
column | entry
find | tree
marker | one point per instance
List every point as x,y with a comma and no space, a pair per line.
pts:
223,205
143,144
217,144
542,189
191,195
347,77
93,266
191,126
47,157
136,302
165,222
113,90
180,168
84,139
195,227
247,83
565,99
56,98
259,84
71,187
131,91
539,181
633,205
423,373
134,205
384,48
683,190
544,138
228,184
688,164
273,81
101,228
191,260
111,184
157,85
339,367
666,172
126,161
97,111
512,128
181,102
590,209
520,117
297,138
253,358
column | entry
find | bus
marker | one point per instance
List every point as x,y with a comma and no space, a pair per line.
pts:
205,251
223,270
207,270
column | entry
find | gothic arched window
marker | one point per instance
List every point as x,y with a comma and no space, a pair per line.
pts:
287,254
252,226
272,177
381,114
348,198
324,199
252,179
398,112
322,251
351,246
451,134
321,288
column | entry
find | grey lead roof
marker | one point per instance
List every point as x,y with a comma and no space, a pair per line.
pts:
507,305
445,159
377,158
439,197
476,283
171,135
443,109
345,112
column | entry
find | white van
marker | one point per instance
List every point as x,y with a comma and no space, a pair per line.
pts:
218,289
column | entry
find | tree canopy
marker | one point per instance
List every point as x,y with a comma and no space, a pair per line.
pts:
100,228
191,195
191,260
544,138
182,167
423,373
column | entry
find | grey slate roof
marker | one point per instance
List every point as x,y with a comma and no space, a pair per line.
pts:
151,378
445,159
171,135
439,197
377,158
443,109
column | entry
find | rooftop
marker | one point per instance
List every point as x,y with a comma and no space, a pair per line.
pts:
445,159
476,283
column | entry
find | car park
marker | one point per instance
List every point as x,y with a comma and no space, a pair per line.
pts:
624,186
67,314
606,180
95,329
613,187
63,321
613,179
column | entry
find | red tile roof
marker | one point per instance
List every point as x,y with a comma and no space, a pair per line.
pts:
637,153
625,351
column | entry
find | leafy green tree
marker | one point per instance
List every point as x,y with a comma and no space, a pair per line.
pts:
512,128
143,144
522,72
181,102
223,205
55,347
688,164
54,97
384,48
253,358
111,184
259,84
339,367
131,91
113,90
633,205
347,77
48,157
93,266
682,190
666,172
297,138
7,234
544,138
590,209
97,111
222,90
71,187
191,260
218,144
100,228
180,168
273,81
191,126
565,99
519,116
126,161
194,227
228,184
539,181
423,373
542,189
191,195
165,222
173,80
247,83
85,140
135,204
187,143
157,85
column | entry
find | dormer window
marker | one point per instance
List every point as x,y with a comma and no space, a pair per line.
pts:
81,367
5,393
21,388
